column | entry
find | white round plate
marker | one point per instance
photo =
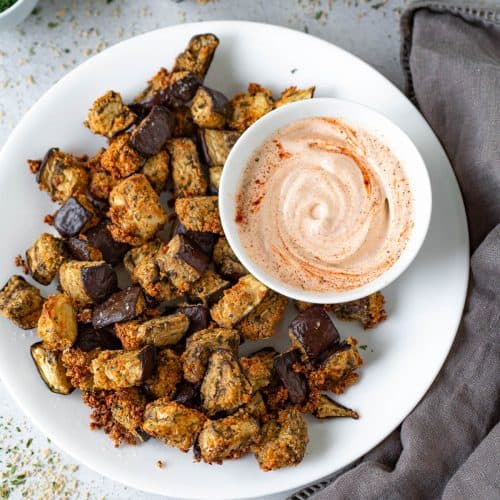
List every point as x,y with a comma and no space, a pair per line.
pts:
403,355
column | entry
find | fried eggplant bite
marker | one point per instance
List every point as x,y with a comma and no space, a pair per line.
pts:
369,311
156,169
261,322
210,108
229,437
151,134
226,261
120,159
225,387
199,213
198,55
249,106
135,211
284,441
188,176
182,262
140,262
208,288
120,306
127,409
293,94
258,368
108,115
214,175
45,257
328,408
238,301
174,424
62,175
57,324
87,282
21,302
167,376
76,215
117,369
338,371
216,145
201,345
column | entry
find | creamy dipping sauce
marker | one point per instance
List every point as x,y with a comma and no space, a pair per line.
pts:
323,206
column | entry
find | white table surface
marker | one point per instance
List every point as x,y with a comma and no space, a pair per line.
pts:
64,33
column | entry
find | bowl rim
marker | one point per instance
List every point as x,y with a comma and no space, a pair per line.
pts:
12,8
316,107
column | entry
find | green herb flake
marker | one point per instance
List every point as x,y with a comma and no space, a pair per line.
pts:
36,11
318,15
28,443
363,347
377,6
294,70
52,24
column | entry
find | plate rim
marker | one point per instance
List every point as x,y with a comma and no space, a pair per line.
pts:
460,206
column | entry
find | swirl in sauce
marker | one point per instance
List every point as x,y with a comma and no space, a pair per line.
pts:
322,206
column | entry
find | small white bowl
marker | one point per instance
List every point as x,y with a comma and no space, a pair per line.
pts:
353,114
16,13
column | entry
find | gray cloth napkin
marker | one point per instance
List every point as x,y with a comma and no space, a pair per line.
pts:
449,446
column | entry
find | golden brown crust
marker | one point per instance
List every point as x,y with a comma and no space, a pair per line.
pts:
173,423
261,322
293,94
198,55
199,213
238,301
108,115
21,302
128,334
187,173
168,375
230,437
284,441
77,363
135,211
57,323
156,170
45,257
121,159
249,106
369,311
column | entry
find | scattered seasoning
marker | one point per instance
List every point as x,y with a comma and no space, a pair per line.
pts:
318,15
160,464
36,11
377,6
5,4
364,347
294,70
52,24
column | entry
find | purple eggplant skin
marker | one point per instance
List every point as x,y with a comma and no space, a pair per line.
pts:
71,218
219,102
151,134
198,316
205,241
190,253
188,395
295,383
89,339
79,249
182,90
314,331
45,159
121,306
148,356
175,95
99,281
99,237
